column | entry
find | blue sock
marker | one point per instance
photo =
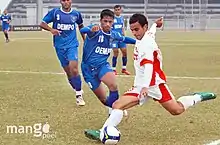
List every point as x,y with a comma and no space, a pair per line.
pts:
124,60
114,61
76,83
72,84
113,96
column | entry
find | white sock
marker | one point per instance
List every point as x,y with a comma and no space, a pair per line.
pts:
79,92
109,110
113,68
188,101
123,67
114,119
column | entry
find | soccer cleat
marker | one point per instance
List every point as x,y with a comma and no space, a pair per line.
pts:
124,71
206,95
7,40
92,134
115,72
80,101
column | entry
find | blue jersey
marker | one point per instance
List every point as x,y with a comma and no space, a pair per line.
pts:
118,24
5,19
97,47
66,23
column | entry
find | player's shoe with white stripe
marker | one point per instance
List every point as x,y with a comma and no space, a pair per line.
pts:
79,99
206,95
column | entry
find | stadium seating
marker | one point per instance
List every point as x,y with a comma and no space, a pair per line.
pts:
91,8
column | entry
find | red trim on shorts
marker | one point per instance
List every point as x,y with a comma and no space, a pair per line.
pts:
145,61
131,94
166,96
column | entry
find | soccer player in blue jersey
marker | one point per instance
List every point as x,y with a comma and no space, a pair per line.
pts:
6,19
116,45
96,50
65,21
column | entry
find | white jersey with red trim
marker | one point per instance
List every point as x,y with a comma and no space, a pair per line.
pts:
147,51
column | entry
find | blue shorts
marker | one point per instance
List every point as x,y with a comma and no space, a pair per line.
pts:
118,44
67,54
5,27
93,75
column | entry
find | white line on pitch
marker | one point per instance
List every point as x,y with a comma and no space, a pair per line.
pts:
215,142
123,76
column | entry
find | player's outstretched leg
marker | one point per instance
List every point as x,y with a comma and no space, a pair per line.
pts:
124,102
184,102
124,61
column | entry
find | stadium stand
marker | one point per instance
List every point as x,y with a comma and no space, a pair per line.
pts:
90,9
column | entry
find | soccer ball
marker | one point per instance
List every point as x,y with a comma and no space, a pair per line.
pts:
110,135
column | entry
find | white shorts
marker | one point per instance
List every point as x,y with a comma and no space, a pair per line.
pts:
160,93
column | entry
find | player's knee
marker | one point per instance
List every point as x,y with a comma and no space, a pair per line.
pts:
113,86
115,52
117,105
74,71
177,111
124,52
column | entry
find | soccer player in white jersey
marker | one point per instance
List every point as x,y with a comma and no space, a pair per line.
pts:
150,80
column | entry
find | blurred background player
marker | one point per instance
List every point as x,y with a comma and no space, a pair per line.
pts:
65,21
6,19
150,80
96,51
118,26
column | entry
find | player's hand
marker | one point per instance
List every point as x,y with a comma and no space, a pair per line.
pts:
144,92
95,28
55,32
159,22
8,22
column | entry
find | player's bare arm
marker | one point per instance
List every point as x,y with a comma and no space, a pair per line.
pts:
123,31
82,34
45,26
9,21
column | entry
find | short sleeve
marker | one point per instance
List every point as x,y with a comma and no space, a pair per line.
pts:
79,20
48,18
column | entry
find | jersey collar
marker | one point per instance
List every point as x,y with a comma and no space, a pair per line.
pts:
66,12
117,16
105,32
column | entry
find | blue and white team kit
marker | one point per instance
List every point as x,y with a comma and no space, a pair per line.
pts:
118,26
5,24
96,50
66,44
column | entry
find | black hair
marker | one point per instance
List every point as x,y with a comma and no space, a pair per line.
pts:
107,12
117,6
140,18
